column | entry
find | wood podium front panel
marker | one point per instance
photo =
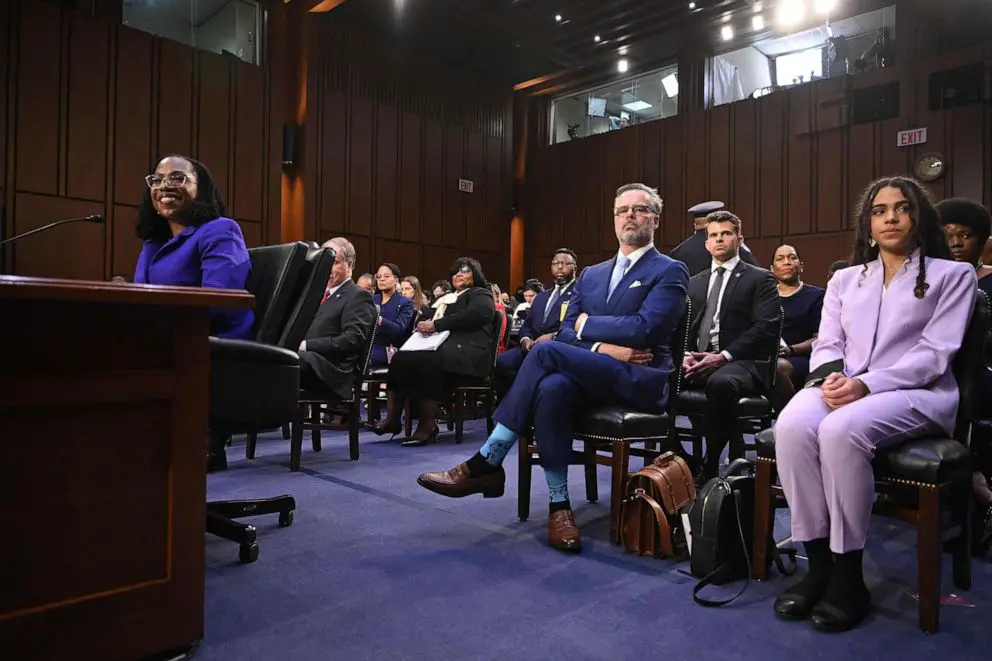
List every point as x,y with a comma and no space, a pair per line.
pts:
103,418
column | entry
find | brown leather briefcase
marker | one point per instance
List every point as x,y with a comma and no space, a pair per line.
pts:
650,523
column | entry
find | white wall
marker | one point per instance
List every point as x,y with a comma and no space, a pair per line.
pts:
232,29
753,68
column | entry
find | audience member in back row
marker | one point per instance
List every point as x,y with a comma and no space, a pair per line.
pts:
801,304
881,375
967,225
189,241
411,289
836,266
395,313
366,281
467,354
439,289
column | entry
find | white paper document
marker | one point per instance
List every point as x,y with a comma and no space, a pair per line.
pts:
421,342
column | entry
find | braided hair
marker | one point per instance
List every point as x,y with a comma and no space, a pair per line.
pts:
925,233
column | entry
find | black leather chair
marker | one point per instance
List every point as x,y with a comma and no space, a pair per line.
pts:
753,413
914,481
254,383
614,429
311,282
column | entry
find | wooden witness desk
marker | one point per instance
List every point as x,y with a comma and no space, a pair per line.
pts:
103,420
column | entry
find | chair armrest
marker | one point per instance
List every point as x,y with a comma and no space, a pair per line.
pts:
228,350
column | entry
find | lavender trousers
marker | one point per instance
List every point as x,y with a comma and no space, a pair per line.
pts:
824,460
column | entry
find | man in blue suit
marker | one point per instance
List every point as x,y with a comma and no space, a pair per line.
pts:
614,347
543,318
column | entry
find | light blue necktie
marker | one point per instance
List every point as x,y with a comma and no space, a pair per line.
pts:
551,304
618,271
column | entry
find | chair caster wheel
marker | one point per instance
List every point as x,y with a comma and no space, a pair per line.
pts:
248,553
285,519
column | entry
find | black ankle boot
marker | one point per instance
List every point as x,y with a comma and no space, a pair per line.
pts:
847,600
798,600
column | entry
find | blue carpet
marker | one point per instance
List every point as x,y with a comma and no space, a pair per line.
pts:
375,567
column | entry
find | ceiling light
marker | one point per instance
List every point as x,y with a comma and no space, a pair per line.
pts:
726,33
757,8
622,66
825,6
757,23
596,38
622,50
790,12
671,85
637,106
692,5
558,17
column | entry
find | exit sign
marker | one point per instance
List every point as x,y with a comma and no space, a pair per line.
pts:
466,185
911,137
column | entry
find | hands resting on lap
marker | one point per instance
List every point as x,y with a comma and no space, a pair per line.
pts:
698,365
839,390
623,354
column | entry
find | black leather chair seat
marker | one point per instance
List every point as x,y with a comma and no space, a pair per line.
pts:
252,385
621,423
694,402
932,460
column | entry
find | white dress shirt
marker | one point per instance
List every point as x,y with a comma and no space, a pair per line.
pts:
633,257
728,267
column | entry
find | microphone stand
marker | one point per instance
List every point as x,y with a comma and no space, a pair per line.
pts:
93,218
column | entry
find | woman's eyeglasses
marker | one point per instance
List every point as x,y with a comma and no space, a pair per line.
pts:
465,270
175,179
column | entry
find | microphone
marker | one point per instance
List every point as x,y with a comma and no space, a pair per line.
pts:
92,218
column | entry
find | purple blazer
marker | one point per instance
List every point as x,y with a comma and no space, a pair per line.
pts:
213,254
900,342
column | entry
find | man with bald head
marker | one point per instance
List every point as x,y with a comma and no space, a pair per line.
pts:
340,330
801,304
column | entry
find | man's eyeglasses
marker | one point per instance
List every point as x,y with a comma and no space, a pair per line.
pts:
559,262
175,179
638,209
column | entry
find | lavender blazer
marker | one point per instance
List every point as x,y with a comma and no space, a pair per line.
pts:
899,342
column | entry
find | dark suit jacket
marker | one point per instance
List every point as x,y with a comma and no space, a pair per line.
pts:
693,253
338,336
397,322
643,313
469,349
750,316
534,325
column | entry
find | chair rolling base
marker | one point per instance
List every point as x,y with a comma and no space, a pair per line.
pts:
221,522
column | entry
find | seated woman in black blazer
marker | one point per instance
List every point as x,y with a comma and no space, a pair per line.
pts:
467,354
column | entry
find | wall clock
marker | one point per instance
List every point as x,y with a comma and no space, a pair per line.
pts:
930,167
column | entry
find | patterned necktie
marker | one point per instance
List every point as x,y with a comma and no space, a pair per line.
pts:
618,272
709,313
550,306
327,295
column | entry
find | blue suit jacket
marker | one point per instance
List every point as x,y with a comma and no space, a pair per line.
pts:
397,319
643,313
209,255
534,325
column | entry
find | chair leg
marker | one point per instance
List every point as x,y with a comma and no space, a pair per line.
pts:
408,418
526,465
457,415
592,484
296,443
764,516
961,565
315,422
928,549
250,442
356,408
285,432
621,463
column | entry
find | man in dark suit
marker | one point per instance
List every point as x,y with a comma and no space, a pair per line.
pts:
543,318
340,330
692,252
735,329
614,347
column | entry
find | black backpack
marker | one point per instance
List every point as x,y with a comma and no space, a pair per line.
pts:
722,529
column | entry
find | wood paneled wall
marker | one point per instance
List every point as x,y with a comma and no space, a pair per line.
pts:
783,163
89,106
388,136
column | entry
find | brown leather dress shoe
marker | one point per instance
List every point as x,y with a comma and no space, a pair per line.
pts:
563,534
458,482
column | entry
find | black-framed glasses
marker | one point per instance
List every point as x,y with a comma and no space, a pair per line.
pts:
638,209
174,179
464,270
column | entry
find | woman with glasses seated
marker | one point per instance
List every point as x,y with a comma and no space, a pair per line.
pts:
466,355
189,240
395,313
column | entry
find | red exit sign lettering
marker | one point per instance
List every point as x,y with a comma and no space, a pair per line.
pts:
911,137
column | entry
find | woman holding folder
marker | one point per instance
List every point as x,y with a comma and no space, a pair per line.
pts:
454,347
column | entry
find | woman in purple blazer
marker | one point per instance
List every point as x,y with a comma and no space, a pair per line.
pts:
189,241
880,375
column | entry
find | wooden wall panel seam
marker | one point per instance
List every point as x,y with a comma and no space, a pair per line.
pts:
13,60
109,178
63,123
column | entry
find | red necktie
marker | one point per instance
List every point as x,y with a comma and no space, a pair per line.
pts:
327,295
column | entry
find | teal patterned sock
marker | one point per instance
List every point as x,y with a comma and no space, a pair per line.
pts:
498,445
557,484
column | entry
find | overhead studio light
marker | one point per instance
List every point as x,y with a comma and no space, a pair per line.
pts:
622,66
558,18
790,12
758,23
825,6
596,38
726,33
637,106
671,85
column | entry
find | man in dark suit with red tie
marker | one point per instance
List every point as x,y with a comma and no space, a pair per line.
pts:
340,330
